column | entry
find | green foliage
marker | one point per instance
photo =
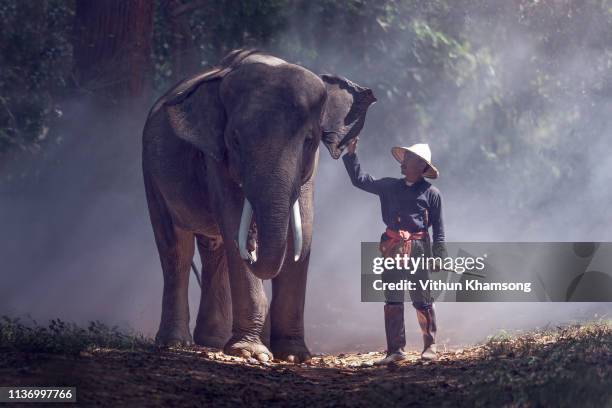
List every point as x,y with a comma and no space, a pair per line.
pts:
505,84
65,338
35,53
587,335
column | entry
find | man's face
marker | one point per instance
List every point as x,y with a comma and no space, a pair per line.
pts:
413,167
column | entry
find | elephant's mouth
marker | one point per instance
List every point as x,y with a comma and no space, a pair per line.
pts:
247,237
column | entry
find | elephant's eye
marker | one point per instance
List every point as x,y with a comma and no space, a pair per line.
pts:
235,142
309,140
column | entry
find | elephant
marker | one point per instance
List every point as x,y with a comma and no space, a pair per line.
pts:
229,158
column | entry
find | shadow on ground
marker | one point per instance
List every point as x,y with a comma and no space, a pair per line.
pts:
565,366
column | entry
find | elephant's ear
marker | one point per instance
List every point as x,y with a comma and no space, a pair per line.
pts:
194,108
345,111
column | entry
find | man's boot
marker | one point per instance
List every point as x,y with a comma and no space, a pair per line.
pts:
396,336
427,321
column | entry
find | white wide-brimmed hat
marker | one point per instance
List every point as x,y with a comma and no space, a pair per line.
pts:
421,150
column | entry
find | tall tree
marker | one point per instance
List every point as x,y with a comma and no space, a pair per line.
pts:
112,47
183,52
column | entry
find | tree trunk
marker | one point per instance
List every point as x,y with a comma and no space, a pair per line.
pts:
112,47
184,54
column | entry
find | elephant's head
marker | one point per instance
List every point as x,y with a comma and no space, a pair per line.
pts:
264,118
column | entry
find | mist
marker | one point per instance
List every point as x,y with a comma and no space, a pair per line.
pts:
76,242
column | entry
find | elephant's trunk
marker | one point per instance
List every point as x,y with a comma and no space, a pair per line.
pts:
267,260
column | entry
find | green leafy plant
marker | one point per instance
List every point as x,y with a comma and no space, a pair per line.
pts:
65,338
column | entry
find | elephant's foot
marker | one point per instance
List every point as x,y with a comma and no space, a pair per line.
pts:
173,335
293,350
242,347
212,329
209,338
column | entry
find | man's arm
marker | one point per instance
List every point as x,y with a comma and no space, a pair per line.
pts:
437,225
360,179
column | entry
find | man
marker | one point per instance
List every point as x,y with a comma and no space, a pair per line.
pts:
409,206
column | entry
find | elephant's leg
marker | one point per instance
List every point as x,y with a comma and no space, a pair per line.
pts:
176,248
249,310
287,313
249,302
214,324
289,292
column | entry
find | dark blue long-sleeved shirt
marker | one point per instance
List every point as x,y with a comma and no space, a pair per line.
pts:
412,208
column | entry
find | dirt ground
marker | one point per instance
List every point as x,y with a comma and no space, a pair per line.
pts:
566,367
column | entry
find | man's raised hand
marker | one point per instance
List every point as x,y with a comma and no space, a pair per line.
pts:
351,147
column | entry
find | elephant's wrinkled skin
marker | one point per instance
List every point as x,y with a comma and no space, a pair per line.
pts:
246,130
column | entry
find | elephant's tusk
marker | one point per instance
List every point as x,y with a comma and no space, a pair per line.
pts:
296,224
243,233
